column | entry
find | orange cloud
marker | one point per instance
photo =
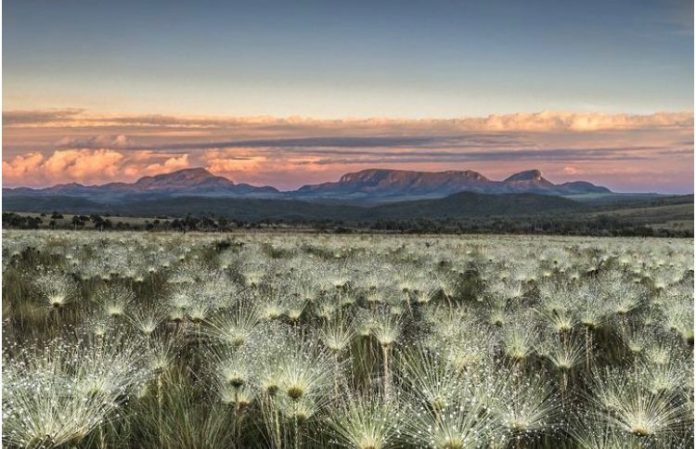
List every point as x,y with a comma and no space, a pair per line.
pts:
21,167
87,166
169,165
267,166
583,122
238,160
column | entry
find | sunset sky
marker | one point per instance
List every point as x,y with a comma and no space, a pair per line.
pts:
290,93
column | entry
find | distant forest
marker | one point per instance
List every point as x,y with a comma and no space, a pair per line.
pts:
602,225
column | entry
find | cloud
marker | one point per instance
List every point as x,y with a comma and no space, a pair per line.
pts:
87,166
20,167
538,122
267,166
83,165
77,146
584,122
309,142
64,165
91,142
247,164
547,121
236,157
168,165
39,117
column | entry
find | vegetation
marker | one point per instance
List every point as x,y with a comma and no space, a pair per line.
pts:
202,340
590,225
464,212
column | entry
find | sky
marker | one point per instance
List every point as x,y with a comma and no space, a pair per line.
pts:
290,93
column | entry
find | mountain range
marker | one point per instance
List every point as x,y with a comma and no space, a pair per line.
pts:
370,186
389,184
375,198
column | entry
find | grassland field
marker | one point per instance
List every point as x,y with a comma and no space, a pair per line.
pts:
367,341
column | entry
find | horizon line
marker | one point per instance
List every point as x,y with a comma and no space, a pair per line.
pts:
338,180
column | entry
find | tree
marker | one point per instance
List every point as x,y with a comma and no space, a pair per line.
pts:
98,221
76,222
190,223
222,223
178,225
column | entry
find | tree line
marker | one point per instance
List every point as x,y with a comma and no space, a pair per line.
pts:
596,226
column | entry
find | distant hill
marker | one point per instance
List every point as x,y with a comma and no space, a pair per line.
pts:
379,183
194,181
460,205
367,186
470,204
460,212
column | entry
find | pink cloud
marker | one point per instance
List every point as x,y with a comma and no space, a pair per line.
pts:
282,170
21,167
83,165
169,165
99,141
87,166
610,149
